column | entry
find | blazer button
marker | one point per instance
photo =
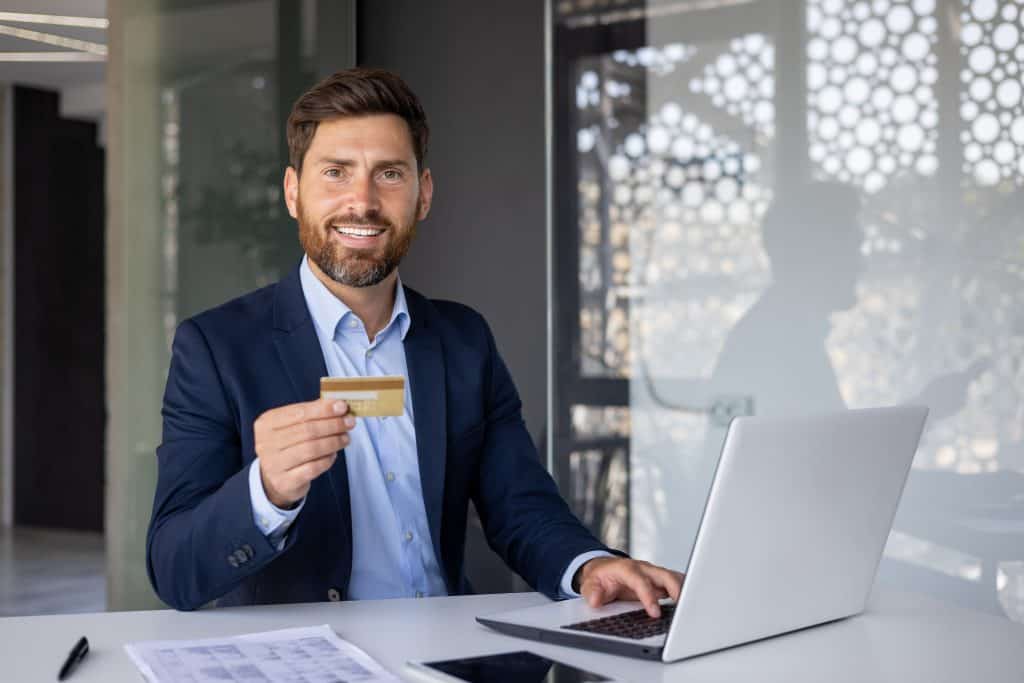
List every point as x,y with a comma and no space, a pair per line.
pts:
241,556
247,549
334,595
233,561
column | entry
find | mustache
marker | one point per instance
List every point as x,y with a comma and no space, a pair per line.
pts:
369,221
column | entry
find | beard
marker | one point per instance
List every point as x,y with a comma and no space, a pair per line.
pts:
348,266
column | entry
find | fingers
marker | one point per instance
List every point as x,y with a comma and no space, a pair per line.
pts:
291,486
664,579
600,592
310,470
631,580
645,591
286,476
623,582
297,443
314,449
286,416
311,430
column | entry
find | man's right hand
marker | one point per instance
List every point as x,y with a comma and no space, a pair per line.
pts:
296,444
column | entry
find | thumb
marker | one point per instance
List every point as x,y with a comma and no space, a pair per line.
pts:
594,593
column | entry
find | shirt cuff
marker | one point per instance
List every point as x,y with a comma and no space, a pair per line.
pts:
269,519
565,589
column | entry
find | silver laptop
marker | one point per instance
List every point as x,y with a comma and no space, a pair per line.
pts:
792,533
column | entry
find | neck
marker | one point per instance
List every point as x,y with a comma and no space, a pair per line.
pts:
372,305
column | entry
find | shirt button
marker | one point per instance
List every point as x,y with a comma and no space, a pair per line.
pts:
333,594
419,594
369,354
354,323
390,476
408,535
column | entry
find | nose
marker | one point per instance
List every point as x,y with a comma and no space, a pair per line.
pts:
362,198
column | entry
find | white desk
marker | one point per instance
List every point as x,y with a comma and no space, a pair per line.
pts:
901,638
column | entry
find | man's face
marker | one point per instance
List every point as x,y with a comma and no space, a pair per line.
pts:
359,197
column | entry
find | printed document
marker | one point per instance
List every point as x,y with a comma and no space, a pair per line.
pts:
295,654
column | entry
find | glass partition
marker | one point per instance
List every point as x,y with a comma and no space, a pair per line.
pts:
197,153
770,207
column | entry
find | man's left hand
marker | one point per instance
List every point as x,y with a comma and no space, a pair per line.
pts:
607,579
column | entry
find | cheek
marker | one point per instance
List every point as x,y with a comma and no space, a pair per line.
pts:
402,205
317,206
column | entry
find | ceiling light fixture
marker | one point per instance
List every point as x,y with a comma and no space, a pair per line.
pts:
50,57
53,39
54,20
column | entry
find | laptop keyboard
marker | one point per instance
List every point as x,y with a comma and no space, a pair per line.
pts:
636,625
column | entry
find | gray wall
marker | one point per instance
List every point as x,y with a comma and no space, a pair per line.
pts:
483,91
6,314
484,242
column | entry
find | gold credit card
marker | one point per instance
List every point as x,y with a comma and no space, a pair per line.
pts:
367,396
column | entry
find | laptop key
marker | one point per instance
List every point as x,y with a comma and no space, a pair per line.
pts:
635,625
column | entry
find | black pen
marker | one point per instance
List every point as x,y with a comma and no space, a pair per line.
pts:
77,654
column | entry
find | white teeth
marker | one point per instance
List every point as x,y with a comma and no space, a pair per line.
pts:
359,232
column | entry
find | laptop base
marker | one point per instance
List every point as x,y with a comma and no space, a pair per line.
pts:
554,637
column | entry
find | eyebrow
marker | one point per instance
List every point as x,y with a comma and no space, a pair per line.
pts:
337,161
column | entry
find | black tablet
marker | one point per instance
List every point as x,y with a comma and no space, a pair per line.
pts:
506,667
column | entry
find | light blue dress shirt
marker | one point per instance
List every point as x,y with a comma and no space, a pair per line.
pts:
392,555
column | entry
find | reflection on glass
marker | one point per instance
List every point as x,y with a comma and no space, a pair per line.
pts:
599,471
875,259
229,200
662,197
871,105
1010,584
195,212
991,96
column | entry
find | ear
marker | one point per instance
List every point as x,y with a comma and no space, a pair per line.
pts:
426,194
291,191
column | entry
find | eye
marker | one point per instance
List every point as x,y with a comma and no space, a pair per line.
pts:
392,174
333,172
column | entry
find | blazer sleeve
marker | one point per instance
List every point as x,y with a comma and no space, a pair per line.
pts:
524,517
202,539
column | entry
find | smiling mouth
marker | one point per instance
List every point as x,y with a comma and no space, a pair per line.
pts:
363,233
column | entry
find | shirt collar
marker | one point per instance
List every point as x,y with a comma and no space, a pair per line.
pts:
328,311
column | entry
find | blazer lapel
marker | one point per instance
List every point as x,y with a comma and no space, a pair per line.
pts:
424,359
299,349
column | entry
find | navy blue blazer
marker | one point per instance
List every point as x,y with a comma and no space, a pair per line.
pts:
260,351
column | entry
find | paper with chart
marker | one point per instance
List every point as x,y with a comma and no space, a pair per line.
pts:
308,655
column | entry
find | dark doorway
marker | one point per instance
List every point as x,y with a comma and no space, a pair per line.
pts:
59,394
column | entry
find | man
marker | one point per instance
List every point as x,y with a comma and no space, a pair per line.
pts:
267,494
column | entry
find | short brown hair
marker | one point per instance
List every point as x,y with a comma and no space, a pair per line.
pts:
355,92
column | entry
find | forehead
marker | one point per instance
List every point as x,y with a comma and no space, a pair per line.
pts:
373,135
